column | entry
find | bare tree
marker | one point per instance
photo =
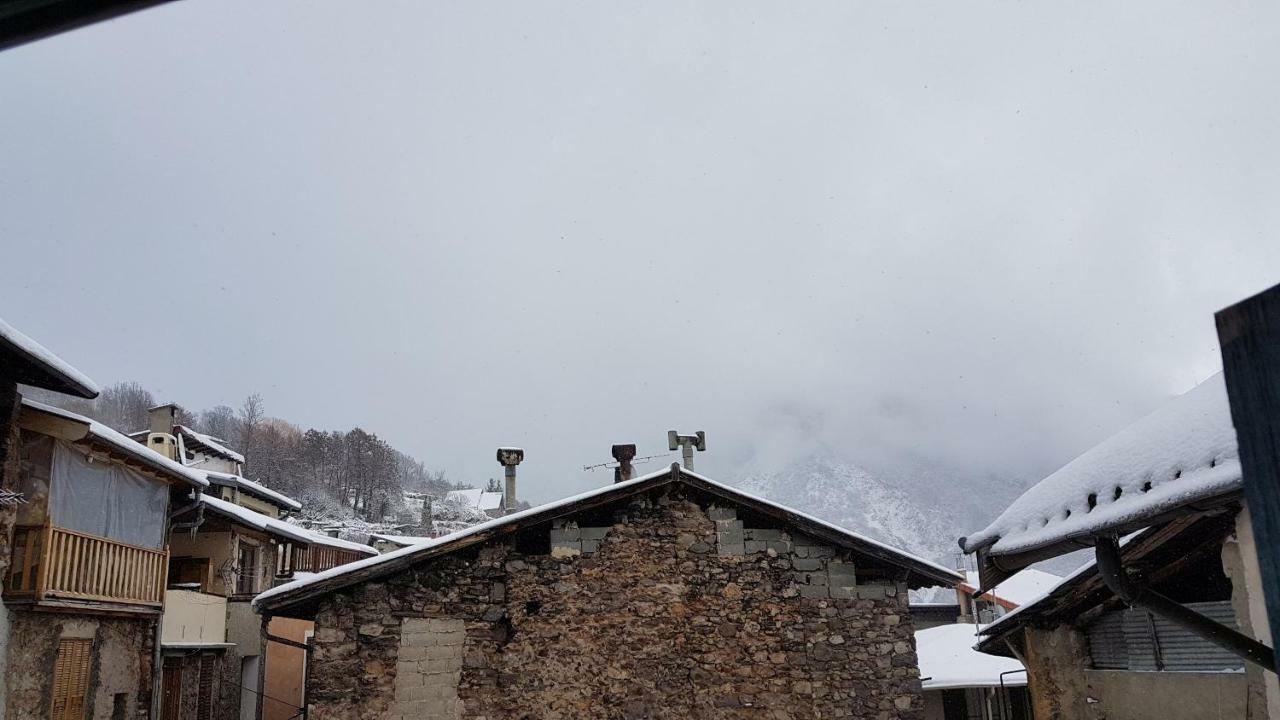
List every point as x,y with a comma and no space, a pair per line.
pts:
251,414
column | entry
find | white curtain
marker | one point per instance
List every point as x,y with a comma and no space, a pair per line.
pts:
106,499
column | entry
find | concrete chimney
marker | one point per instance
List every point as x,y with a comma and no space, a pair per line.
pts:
163,418
624,454
509,458
687,444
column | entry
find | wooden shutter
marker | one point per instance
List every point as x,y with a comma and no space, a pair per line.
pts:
71,679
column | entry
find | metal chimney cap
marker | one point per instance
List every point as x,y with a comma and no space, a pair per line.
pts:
510,456
624,453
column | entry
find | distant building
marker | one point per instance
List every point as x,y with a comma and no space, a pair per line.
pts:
488,502
960,683
668,595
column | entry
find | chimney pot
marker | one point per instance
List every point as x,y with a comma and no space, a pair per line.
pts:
162,418
509,458
624,454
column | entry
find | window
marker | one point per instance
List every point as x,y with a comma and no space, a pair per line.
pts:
71,679
1139,641
247,579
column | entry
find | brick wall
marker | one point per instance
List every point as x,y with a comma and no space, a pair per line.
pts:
669,607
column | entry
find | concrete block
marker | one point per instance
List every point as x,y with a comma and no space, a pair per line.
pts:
733,538
843,593
560,550
729,526
566,536
730,549
754,546
590,546
412,653
813,591
811,578
781,547
722,513
594,533
767,534
801,551
806,564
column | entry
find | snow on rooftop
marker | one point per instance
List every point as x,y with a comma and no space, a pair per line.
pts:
122,442
401,540
1183,452
491,500
257,520
1023,587
947,660
213,443
254,488
52,364
273,526
298,585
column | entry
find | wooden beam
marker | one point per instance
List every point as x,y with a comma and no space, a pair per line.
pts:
1249,334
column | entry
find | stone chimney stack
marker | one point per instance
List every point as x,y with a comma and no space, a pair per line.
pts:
163,418
509,458
624,454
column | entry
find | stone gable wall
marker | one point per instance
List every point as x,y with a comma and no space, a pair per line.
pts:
657,615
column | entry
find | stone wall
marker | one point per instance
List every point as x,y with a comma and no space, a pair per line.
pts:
121,663
661,610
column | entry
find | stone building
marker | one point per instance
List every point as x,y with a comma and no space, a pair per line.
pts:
666,596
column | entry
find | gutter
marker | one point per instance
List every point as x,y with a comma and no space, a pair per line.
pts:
1111,568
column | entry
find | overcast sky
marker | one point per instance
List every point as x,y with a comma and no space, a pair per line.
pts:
988,235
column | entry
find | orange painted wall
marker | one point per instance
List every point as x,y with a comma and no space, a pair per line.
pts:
285,669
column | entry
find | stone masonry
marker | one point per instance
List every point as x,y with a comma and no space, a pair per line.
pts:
666,607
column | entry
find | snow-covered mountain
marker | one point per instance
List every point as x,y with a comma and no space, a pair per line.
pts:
919,509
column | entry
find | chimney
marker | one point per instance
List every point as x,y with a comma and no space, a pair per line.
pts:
163,418
624,454
509,458
687,444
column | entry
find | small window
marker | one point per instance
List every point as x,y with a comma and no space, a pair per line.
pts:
71,679
247,578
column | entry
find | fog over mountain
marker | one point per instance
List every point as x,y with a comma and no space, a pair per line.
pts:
925,254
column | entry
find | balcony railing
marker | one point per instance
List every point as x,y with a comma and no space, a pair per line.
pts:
319,558
52,562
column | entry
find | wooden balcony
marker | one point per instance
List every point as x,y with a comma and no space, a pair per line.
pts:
54,563
319,558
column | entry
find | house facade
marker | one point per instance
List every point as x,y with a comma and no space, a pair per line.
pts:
228,546
84,587
667,596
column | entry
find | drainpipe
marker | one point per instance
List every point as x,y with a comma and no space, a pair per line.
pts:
1111,568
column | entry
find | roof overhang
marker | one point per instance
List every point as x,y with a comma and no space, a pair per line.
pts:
29,363
994,567
81,430
1158,553
24,21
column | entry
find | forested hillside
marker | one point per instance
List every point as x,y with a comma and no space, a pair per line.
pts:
335,473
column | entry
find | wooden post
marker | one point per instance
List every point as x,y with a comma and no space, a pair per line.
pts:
1249,334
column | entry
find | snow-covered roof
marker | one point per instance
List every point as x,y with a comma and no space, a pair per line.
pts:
947,660
212,443
34,365
119,441
252,488
360,570
257,520
272,526
1025,586
401,540
491,500
1182,453
469,496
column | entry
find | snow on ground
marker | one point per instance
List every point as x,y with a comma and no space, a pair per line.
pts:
947,660
1183,452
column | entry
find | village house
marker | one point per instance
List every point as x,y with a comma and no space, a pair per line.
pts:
1167,623
84,586
226,547
489,502
665,596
